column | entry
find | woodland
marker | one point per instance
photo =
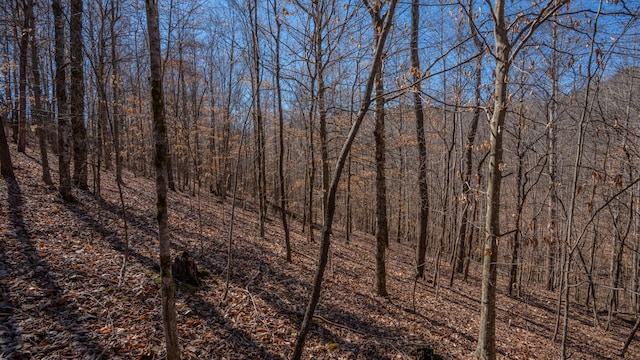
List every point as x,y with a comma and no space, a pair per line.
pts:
319,179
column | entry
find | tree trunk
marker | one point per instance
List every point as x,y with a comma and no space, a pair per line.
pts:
37,110
24,48
61,100
551,243
520,198
283,195
322,110
223,166
382,227
486,348
160,160
8,89
258,120
115,83
632,334
468,153
77,97
635,265
6,165
421,247
99,130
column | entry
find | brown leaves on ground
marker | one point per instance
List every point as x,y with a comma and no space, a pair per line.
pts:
60,299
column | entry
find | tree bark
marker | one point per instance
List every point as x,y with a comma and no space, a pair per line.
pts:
552,239
24,49
100,144
258,120
486,348
6,165
160,161
421,247
632,334
61,100
382,227
520,198
115,83
77,96
8,89
322,109
283,195
37,111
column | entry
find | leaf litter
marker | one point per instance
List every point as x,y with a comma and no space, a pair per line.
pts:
60,299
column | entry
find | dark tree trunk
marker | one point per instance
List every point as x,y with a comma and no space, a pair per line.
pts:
61,100
552,243
418,110
632,334
37,111
77,97
382,227
520,198
8,89
161,156
6,166
101,147
117,116
258,119
321,102
283,195
22,92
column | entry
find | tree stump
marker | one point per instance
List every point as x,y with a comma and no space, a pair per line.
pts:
424,352
185,270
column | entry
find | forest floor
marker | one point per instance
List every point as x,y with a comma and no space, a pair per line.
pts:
62,295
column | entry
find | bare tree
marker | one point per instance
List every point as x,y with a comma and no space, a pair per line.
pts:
160,160
505,50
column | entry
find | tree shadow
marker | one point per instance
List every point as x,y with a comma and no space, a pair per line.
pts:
290,305
55,305
109,235
235,337
10,334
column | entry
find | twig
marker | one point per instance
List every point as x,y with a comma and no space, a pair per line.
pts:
340,325
233,212
126,236
246,288
413,294
303,254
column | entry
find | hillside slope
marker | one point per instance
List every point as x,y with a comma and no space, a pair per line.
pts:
60,296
